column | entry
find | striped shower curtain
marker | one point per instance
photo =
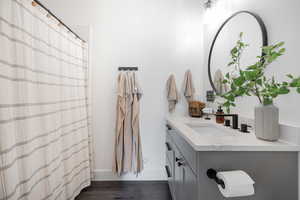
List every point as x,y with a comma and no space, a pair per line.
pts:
45,142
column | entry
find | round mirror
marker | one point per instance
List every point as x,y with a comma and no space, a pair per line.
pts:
253,33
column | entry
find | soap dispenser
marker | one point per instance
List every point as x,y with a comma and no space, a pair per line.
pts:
220,119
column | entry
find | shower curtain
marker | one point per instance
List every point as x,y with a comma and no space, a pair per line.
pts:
45,142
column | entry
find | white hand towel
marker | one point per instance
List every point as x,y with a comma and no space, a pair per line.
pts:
188,86
172,93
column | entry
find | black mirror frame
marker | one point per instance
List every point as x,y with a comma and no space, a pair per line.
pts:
264,39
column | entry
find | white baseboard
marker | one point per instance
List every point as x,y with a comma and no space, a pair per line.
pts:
146,175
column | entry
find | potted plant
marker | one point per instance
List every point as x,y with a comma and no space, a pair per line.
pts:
252,81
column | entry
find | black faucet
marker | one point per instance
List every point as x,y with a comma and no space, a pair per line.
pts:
235,119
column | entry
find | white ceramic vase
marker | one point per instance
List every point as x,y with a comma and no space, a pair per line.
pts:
267,122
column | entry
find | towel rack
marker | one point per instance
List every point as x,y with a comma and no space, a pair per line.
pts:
128,68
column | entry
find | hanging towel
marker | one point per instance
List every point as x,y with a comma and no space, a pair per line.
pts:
218,82
188,86
137,162
127,159
128,151
172,93
121,113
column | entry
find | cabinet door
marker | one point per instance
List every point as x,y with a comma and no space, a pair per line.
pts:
170,175
177,177
188,184
170,162
185,181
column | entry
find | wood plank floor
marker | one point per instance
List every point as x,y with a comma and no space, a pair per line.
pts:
126,190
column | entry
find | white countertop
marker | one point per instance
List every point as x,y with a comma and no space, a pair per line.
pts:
234,140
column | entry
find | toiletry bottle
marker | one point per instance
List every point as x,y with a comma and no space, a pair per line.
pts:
220,119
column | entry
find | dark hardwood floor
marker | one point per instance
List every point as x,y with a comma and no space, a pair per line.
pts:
126,190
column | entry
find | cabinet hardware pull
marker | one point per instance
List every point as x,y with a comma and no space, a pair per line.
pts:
168,146
168,171
178,159
169,127
179,164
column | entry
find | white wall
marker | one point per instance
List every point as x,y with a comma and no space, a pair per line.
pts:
282,22
164,37
159,36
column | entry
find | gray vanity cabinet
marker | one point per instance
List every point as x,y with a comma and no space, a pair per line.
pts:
183,182
275,173
186,183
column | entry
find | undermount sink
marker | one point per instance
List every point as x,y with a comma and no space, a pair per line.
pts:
207,129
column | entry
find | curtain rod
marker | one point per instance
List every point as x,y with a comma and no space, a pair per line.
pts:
59,20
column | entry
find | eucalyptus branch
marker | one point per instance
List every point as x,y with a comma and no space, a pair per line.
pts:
257,94
252,81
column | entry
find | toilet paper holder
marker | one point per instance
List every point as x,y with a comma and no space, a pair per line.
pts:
212,174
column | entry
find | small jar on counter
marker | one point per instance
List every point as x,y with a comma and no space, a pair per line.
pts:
220,119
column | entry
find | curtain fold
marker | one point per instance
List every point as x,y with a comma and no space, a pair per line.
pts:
45,143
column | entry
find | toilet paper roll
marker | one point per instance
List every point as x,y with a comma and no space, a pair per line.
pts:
237,184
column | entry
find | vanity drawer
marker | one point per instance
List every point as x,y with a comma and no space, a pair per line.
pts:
169,148
169,167
186,150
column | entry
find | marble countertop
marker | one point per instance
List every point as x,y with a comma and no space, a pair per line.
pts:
233,140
